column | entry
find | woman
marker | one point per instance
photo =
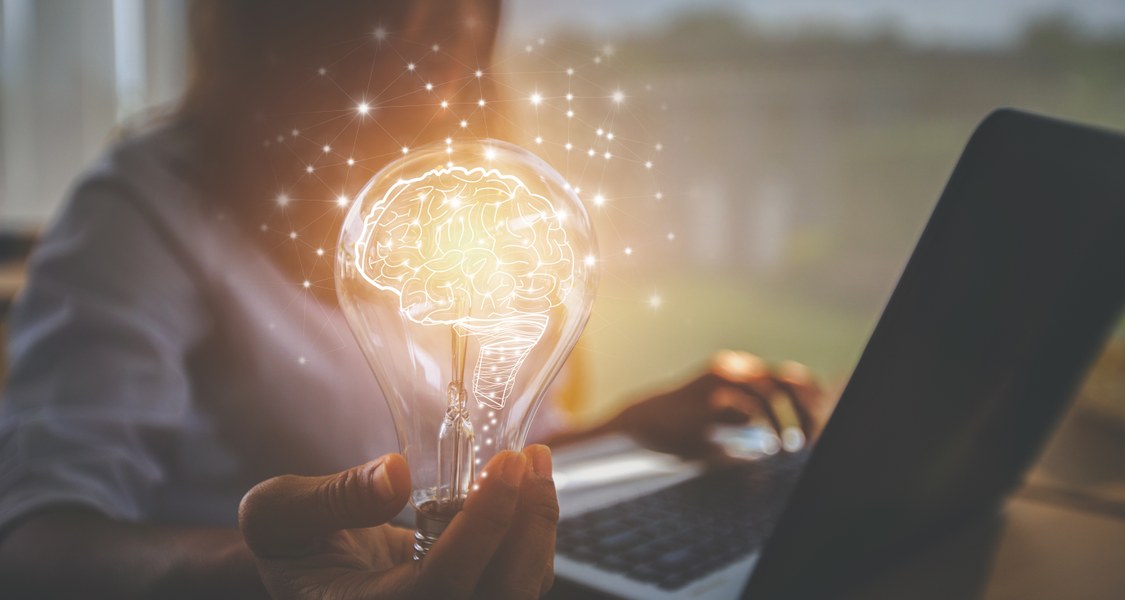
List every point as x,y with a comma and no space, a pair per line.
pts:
158,371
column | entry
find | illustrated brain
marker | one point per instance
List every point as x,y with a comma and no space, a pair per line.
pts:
458,244
477,249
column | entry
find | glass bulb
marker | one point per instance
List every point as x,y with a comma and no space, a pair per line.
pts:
467,272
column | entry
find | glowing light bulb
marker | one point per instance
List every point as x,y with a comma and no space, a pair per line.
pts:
466,289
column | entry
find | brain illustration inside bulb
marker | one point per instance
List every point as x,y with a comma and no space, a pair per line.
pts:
473,248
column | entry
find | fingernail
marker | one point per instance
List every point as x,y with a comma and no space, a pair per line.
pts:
513,469
541,460
384,489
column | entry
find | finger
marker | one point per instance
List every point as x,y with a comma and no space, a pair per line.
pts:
524,565
806,395
454,565
289,515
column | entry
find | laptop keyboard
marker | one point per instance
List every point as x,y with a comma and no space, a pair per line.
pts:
683,532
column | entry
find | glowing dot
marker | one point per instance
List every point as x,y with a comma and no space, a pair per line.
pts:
538,139
327,148
322,71
600,132
607,155
480,102
648,164
590,152
590,260
542,41
597,60
476,486
429,87
341,200
659,147
485,428
536,99
609,136
490,153
570,114
599,199
282,199
528,48
570,71
309,169
448,141
479,73
618,96
655,301
380,33
351,162
628,251
484,474
405,150
292,235
569,146
445,103
320,251
295,132
658,195
264,227
306,284
363,108
410,67
569,97
464,123
493,421
671,236
488,442
302,360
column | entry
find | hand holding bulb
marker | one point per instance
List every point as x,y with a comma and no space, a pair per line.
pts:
326,537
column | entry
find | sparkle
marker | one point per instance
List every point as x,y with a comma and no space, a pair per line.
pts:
479,73
597,60
327,148
464,123
648,164
569,97
410,67
607,156
599,200
538,139
429,87
320,251
295,132
380,33
435,47
351,162
490,153
448,141
609,136
341,200
628,250
480,102
536,98
292,235
309,169
445,103
302,360
618,96
570,114
569,146
363,108
590,152
655,301
659,147
671,236
590,260
600,132
322,71
405,150
658,195
282,199
306,284
570,71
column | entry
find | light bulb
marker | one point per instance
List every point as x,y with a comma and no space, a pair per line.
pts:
463,271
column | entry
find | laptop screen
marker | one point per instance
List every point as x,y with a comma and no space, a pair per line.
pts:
1009,294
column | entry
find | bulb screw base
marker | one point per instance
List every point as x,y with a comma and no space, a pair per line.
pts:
430,520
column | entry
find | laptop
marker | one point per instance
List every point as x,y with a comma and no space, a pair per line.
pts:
1014,285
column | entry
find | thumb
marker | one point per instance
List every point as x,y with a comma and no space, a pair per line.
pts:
289,515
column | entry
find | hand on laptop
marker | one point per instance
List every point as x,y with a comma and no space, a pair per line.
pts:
737,388
326,537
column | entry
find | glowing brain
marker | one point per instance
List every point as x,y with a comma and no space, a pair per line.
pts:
475,249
